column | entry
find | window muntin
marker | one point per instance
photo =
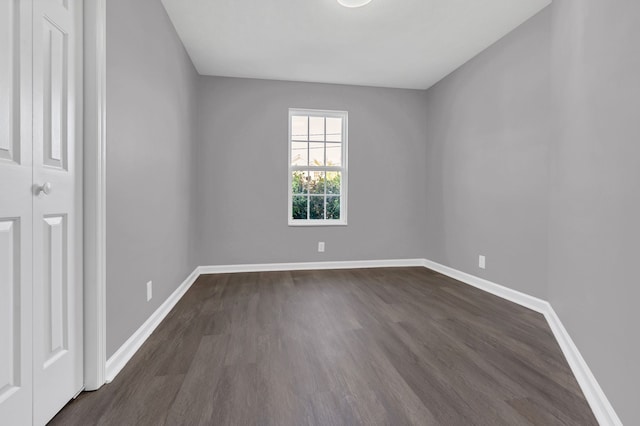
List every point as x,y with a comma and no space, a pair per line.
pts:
317,167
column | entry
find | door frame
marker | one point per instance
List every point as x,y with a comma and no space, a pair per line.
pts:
95,144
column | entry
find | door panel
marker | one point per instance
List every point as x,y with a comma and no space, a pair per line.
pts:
10,354
15,213
57,255
55,62
55,285
10,81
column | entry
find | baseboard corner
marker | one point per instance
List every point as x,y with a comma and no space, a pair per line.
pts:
121,357
593,393
595,396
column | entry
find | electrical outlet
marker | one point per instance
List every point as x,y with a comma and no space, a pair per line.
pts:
149,290
482,262
321,247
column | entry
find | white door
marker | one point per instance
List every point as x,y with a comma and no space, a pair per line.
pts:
57,206
15,213
40,208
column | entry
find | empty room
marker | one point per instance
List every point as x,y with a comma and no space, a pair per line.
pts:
319,212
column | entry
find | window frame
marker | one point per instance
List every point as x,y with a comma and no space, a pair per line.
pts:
343,168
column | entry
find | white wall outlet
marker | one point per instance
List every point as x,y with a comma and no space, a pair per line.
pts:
321,247
482,262
149,290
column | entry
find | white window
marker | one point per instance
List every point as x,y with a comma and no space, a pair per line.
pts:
317,167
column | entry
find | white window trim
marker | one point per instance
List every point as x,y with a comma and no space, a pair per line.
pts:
343,169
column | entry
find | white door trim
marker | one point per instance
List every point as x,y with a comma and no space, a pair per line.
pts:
95,142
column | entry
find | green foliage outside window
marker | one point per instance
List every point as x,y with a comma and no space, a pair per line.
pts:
303,184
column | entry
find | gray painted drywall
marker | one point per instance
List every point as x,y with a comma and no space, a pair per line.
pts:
594,230
487,162
242,173
533,159
151,86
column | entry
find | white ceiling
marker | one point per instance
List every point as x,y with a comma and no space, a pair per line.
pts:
389,43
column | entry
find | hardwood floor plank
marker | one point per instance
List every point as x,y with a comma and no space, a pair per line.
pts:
193,403
390,346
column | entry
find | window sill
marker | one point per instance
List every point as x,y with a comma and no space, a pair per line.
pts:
304,223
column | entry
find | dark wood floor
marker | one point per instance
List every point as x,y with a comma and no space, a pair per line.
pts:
371,346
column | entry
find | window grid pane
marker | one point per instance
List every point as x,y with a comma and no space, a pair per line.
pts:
333,154
316,129
299,182
300,207
333,132
300,128
333,208
316,182
299,153
333,183
316,207
316,154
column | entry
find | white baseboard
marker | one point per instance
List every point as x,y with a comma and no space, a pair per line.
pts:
122,356
602,409
600,405
306,266
514,296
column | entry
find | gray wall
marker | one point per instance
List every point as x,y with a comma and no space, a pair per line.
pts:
533,160
487,162
150,101
594,231
242,180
